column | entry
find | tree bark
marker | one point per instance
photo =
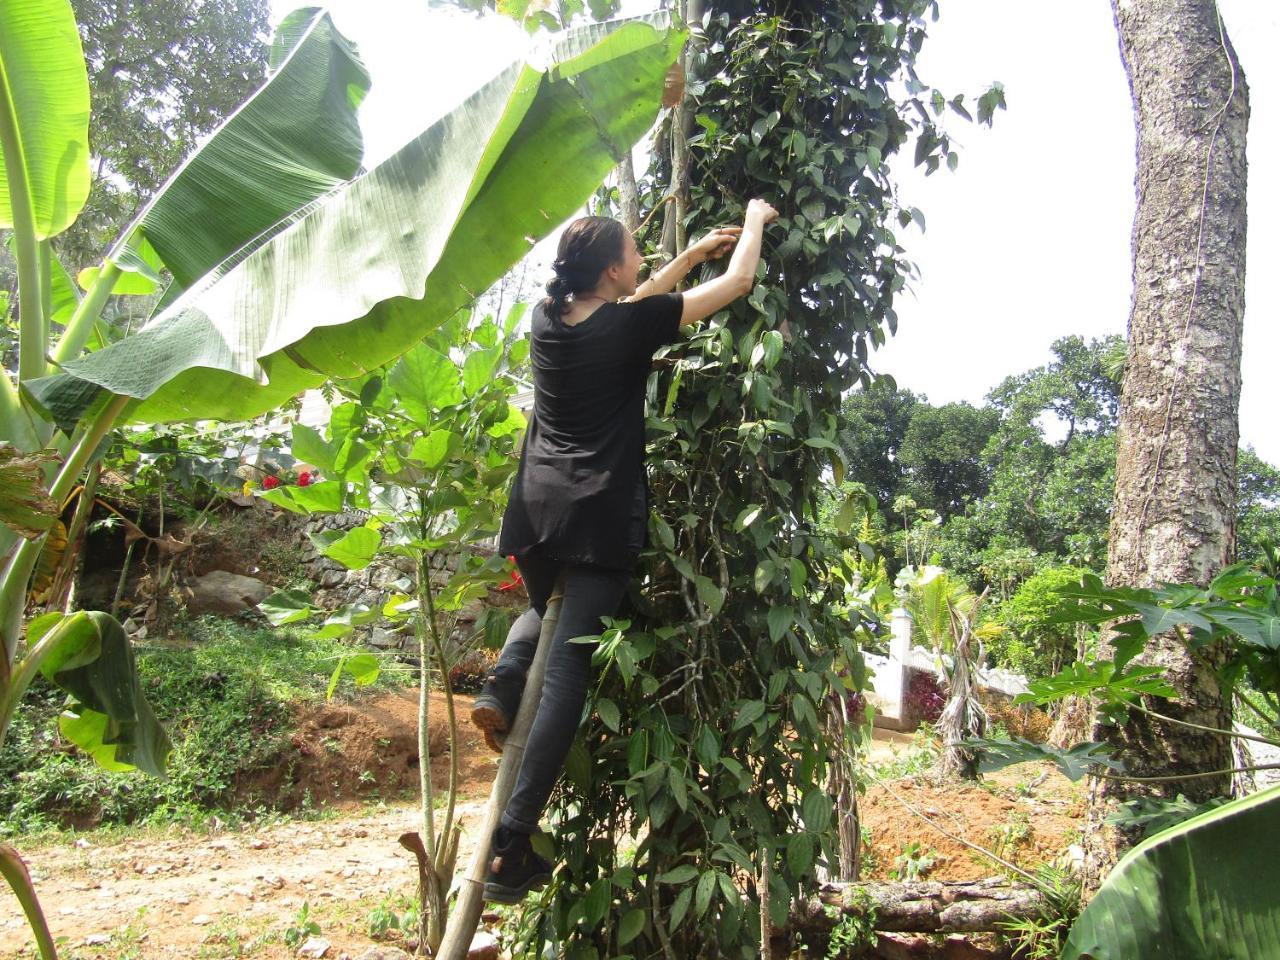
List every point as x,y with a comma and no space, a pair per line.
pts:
1173,512
925,907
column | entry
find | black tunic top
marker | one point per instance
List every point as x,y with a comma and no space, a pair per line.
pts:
581,479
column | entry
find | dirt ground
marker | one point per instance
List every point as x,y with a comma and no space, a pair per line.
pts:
226,894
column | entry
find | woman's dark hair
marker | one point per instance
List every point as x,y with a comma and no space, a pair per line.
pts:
587,247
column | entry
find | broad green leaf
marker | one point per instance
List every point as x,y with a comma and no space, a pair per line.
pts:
322,497
748,516
433,449
681,874
679,789
363,668
437,222
763,576
308,446
1151,815
702,896
596,903
749,713
1195,890
287,606
44,94
1082,679
816,811
609,713
293,141
800,854
109,717
426,381
577,766
478,368
712,596
680,909
683,567
1073,762
139,276
632,923
780,620
1157,619
354,549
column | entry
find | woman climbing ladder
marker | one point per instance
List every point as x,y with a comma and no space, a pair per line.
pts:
579,501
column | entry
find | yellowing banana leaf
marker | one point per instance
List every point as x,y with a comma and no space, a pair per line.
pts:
294,140
1202,890
356,279
25,504
44,115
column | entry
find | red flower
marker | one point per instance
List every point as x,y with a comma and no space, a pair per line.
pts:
515,580
304,479
270,483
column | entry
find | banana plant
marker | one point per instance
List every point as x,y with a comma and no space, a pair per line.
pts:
296,273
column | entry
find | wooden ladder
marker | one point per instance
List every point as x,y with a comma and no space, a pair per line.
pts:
465,917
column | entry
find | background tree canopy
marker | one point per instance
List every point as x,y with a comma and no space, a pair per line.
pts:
1024,482
160,77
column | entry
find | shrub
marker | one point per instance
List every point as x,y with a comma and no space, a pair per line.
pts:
925,697
1033,644
225,691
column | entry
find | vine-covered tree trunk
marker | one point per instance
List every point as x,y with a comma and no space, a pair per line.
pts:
1176,459
699,794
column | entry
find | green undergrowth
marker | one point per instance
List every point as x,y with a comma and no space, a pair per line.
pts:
226,691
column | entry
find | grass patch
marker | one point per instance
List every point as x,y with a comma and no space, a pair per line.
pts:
226,692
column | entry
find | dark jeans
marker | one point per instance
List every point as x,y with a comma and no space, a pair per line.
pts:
589,594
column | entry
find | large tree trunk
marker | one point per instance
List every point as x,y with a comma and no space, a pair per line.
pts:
1178,432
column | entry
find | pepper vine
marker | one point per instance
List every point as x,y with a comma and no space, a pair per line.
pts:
705,765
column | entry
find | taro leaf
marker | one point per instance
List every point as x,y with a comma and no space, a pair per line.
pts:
1201,889
25,506
430,228
109,717
287,606
1073,762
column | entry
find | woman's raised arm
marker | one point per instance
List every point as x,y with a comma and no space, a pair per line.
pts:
705,299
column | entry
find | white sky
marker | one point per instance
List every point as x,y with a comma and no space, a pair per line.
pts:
1027,241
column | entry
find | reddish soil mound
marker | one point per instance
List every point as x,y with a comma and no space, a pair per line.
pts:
1026,822
358,751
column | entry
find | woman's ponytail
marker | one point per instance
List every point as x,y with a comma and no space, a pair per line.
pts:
558,290
587,247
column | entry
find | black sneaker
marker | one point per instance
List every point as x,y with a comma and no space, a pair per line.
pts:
514,870
494,710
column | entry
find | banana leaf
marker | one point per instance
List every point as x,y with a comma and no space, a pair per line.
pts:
1202,890
108,716
44,114
294,140
354,280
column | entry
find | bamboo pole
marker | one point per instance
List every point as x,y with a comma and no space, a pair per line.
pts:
466,913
